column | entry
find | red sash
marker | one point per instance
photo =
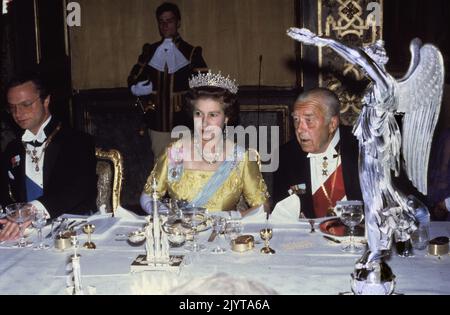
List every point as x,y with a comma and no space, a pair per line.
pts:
320,200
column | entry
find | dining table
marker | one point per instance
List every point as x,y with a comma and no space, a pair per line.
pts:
305,261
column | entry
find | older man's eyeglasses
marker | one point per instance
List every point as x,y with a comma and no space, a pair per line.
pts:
24,106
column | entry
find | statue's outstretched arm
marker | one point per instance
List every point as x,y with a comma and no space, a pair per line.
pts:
352,55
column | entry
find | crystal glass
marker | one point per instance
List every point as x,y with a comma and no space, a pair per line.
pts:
233,229
194,217
219,228
2,213
421,236
39,221
20,213
351,214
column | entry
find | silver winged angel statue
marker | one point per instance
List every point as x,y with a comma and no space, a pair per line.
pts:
417,96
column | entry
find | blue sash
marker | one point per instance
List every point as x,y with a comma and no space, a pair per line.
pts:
33,189
218,178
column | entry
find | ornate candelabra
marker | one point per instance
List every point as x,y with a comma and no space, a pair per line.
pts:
157,255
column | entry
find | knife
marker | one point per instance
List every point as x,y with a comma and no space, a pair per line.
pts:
212,236
331,239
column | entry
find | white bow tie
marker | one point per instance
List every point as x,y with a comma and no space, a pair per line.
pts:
168,53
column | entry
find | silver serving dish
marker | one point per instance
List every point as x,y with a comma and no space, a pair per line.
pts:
136,238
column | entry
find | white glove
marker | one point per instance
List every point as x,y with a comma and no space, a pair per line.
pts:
147,204
142,88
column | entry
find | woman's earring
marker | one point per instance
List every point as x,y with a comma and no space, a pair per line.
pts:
225,131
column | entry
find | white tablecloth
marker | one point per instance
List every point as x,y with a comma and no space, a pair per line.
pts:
304,263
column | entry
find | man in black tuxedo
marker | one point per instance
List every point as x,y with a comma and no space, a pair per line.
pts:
50,165
321,164
160,77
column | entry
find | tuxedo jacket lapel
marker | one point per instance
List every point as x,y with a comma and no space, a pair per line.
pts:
21,187
52,151
306,199
50,157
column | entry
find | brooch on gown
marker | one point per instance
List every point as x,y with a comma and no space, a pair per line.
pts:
175,167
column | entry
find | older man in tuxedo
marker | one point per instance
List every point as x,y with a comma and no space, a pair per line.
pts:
321,163
49,165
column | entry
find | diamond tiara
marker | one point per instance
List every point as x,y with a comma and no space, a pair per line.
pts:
211,79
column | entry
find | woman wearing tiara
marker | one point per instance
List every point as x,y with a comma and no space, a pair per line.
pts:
208,169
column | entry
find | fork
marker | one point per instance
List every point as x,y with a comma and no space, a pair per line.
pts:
56,229
74,224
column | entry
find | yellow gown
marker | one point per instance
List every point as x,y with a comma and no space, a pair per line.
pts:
245,179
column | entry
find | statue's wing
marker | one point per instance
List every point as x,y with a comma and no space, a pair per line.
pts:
414,48
420,96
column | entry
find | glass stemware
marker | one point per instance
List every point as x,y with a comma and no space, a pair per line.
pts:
351,214
2,213
219,229
194,217
20,213
39,220
2,216
233,229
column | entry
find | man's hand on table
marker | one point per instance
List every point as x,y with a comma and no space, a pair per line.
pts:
10,230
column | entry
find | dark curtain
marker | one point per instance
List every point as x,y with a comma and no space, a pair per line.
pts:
405,20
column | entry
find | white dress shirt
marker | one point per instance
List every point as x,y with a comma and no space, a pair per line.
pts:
316,163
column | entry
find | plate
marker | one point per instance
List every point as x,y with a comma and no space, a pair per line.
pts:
335,227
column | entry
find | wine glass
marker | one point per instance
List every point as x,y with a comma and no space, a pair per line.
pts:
20,213
2,213
39,220
219,228
351,214
194,217
233,228
2,216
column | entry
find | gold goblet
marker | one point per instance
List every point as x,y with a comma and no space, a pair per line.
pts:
266,234
89,229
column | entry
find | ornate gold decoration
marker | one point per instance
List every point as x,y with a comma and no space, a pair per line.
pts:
350,22
115,158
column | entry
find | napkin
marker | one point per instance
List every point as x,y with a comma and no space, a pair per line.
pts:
257,215
287,210
126,214
102,223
